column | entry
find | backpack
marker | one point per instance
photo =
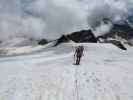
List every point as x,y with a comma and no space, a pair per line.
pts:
79,51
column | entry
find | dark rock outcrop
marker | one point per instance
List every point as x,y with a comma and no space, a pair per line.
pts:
117,43
62,39
84,36
112,41
42,42
124,31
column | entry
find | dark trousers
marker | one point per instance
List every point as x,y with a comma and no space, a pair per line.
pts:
78,60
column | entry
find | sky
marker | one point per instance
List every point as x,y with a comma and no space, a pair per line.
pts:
50,19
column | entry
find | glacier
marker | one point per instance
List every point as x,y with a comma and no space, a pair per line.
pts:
48,73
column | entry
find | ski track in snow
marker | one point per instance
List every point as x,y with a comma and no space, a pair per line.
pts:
105,73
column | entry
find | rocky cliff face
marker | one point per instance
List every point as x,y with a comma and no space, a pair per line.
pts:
83,36
86,36
123,31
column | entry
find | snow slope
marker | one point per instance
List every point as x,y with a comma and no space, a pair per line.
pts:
105,73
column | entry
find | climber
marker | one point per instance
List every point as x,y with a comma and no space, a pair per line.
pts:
78,54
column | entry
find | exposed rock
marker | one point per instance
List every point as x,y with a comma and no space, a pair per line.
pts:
62,39
118,44
114,42
124,31
42,42
130,43
84,36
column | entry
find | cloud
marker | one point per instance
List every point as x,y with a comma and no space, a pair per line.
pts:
50,18
59,16
114,10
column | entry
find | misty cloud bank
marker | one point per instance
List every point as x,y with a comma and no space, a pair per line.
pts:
36,19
